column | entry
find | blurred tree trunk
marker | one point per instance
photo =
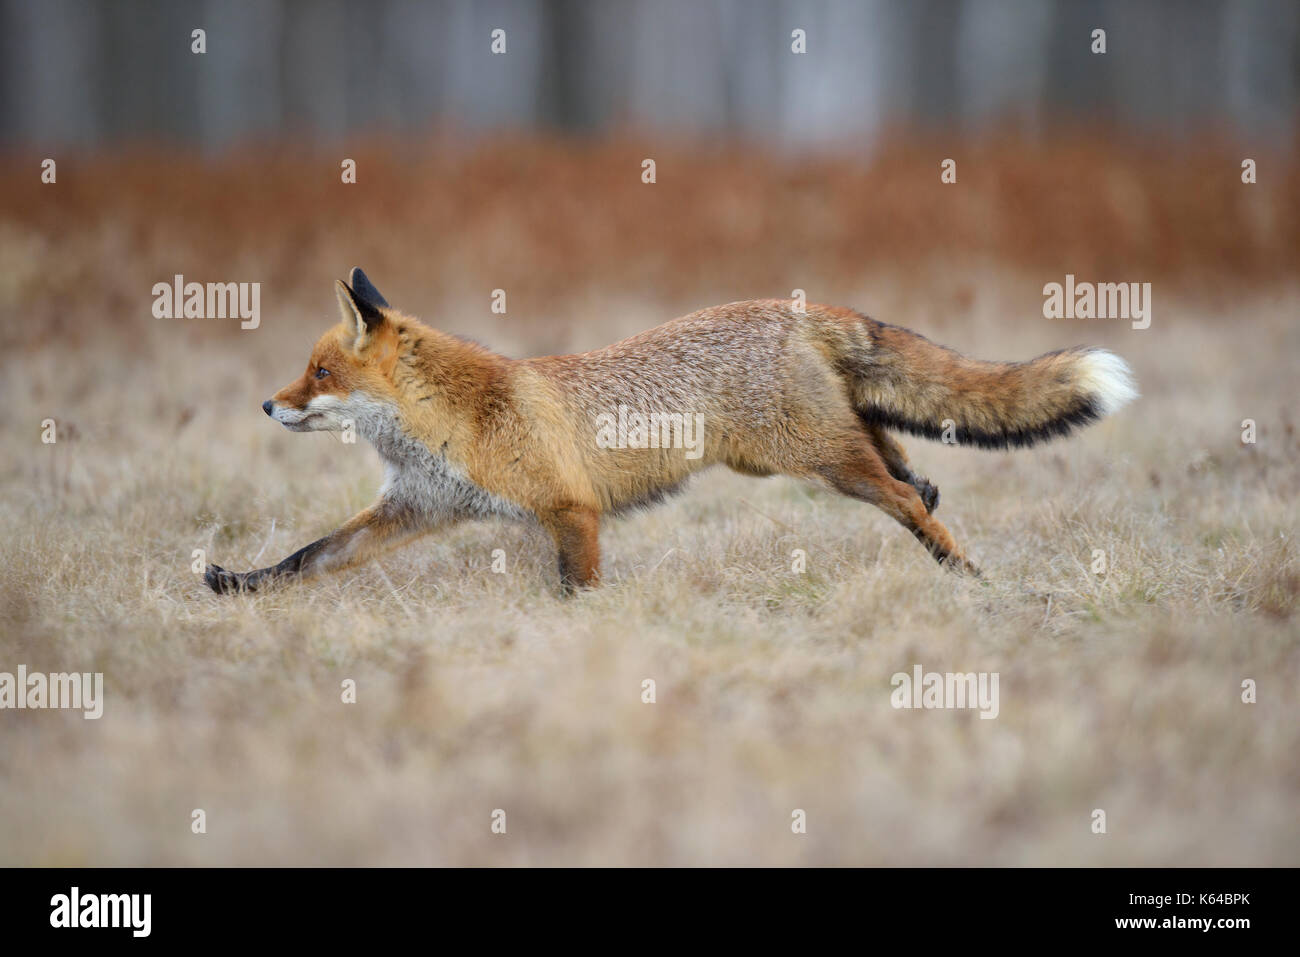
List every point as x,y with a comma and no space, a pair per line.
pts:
86,71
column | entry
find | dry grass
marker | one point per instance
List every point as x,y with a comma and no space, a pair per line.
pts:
479,691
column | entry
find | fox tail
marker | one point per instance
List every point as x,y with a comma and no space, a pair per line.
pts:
906,382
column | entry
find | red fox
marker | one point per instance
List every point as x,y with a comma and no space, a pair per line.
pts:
762,387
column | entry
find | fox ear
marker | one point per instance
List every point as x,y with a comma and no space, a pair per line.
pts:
363,288
360,314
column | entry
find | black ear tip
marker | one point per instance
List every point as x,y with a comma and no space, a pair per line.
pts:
364,288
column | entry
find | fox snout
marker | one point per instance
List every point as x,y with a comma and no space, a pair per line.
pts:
288,414
320,413
280,410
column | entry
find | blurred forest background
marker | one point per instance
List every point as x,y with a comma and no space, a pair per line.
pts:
87,73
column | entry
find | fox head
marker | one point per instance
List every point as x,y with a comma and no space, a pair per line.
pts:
349,376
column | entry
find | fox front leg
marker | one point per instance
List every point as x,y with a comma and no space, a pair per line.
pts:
361,537
576,531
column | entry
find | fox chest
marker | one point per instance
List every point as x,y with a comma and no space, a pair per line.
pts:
430,484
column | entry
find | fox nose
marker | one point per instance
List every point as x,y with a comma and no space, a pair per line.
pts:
266,407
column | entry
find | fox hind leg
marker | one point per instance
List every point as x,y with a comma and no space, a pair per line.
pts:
895,459
867,477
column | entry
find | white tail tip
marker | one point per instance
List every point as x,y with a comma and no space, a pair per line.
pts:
1107,379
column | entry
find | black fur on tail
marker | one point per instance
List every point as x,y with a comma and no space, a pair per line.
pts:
1084,412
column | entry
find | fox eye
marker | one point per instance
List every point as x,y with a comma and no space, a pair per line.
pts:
322,373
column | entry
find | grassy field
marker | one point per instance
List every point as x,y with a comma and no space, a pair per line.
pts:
479,690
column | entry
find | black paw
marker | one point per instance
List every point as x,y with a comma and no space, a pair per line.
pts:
929,493
223,582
